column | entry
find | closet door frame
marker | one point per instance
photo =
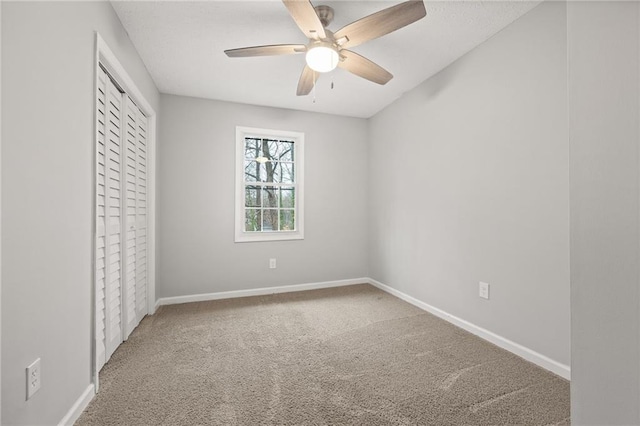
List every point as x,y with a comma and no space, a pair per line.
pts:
104,56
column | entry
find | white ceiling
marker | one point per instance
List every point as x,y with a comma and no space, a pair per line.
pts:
182,44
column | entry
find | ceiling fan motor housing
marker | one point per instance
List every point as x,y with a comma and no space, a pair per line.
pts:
325,13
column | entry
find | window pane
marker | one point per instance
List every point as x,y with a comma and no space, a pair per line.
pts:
283,173
286,151
270,220
269,148
278,150
287,198
270,196
253,171
252,196
252,148
252,220
269,172
287,222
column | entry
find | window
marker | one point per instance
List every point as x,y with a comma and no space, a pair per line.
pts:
269,185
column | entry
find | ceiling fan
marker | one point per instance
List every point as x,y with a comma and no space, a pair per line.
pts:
327,50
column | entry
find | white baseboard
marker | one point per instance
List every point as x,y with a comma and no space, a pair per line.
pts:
76,410
258,291
522,351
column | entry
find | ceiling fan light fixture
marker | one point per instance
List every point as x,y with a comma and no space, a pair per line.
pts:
322,57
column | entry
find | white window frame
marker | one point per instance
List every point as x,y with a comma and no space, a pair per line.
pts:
241,236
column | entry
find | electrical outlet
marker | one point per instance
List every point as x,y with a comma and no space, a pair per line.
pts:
272,264
33,378
484,290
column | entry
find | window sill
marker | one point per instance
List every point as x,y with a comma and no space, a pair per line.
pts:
246,237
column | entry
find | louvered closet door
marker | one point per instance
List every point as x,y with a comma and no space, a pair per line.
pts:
129,180
135,191
100,251
121,218
108,220
141,217
114,219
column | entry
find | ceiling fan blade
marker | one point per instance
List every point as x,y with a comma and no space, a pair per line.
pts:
381,23
306,82
362,67
270,50
306,18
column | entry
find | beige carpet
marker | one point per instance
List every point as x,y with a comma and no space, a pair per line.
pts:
345,356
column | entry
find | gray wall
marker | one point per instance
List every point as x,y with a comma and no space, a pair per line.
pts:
196,152
48,52
469,182
603,53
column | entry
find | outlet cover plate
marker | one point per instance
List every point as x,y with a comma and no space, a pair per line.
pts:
484,290
33,378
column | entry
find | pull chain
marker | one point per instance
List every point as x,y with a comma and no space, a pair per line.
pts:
333,64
